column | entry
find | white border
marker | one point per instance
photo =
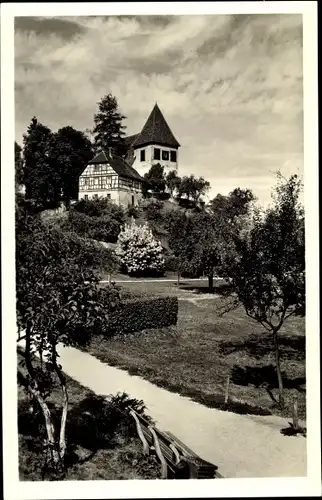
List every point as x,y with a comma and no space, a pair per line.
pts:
309,486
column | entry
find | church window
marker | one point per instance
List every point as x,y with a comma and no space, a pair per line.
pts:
173,156
142,155
156,155
165,155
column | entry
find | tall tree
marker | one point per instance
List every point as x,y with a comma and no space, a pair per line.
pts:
267,267
108,129
41,179
72,151
57,302
18,166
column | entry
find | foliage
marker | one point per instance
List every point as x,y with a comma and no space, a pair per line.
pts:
236,204
71,153
104,228
193,188
98,207
173,182
267,266
133,211
57,301
108,128
141,313
139,252
19,175
41,180
153,210
52,163
97,219
155,180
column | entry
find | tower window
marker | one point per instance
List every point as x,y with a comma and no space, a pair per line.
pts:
156,155
165,155
142,155
173,156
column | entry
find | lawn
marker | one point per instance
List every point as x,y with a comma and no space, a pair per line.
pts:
196,358
98,450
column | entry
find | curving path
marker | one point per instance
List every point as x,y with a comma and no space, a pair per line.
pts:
242,446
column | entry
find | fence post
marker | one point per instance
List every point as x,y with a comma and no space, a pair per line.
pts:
295,414
227,390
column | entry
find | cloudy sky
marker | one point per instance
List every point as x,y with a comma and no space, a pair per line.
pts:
230,87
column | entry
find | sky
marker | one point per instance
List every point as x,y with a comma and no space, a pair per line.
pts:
229,86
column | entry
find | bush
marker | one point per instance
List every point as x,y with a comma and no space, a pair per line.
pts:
137,314
170,262
139,252
133,212
103,228
153,210
98,207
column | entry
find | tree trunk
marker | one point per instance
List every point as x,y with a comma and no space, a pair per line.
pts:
48,423
278,370
62,435
211,282
178,280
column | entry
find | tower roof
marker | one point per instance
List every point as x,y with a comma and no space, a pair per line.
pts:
156,131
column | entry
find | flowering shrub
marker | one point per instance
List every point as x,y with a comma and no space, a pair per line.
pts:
138,251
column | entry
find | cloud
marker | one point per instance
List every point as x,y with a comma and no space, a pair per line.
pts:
230,87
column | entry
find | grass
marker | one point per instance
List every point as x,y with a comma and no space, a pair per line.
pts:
98,450
196,358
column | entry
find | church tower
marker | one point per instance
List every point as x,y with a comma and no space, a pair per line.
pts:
154,144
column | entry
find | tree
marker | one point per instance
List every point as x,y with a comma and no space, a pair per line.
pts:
229,207
71,151
179,228
267,267
139,252
41,178
19,174
193,188
108,128
155,180
57,302
172,182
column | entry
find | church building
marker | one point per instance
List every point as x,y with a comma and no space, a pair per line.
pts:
154,144
121,179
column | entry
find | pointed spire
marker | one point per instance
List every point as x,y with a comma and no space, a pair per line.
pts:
156,131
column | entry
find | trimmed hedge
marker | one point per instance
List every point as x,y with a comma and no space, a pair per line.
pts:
137,314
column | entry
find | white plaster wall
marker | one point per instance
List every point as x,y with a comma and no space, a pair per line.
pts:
101,193
120,196
144,166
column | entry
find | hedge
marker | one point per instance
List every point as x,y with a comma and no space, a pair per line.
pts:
137,314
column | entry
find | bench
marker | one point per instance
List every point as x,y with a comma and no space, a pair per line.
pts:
177,460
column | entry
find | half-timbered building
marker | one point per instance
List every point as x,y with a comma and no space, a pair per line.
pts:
109,175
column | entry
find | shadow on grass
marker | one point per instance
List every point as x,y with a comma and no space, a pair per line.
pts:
260,345
222,289
291,431
94,424
216,401
266,377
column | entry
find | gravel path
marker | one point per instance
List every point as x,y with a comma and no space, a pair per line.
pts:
242,446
